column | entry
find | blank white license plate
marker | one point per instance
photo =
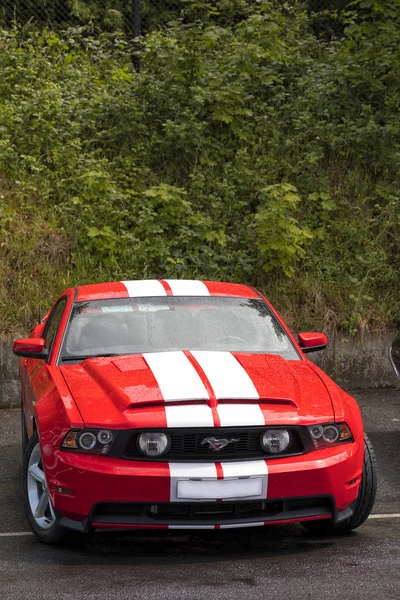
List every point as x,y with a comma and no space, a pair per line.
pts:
207,489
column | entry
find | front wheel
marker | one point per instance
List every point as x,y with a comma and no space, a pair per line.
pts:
36,499
365,499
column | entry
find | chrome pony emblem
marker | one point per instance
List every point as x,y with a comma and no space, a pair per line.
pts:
217,444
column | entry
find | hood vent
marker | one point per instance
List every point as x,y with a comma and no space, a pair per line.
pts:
260,401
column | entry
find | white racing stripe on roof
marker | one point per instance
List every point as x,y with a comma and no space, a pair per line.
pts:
226,375
143,288
187,287
240,415
176,376
189,416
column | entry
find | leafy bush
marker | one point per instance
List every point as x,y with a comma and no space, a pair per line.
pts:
246,148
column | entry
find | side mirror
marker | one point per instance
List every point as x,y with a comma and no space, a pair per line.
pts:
38,330
312,342
394,355
30,348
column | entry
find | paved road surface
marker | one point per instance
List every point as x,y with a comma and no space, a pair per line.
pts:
275,563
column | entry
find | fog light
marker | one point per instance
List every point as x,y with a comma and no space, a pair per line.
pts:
275,440
154,444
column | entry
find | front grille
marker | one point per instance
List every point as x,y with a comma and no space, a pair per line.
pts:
194,511
187,444
212,512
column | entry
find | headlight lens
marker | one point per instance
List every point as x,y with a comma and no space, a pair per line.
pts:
87,440
105,436
154,443
330,434
276,441
91,441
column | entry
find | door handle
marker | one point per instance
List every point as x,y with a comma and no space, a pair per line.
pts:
25,362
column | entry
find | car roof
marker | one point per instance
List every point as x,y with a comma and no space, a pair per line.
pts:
162,287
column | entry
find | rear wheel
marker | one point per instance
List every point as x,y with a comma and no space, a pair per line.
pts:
36,498
365,499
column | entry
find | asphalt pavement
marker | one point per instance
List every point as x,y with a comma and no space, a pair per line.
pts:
281,563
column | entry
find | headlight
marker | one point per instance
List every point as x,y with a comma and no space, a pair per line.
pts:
330,434
154,444
276,441
91,441
87,440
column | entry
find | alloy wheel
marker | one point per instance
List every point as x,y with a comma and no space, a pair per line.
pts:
38,495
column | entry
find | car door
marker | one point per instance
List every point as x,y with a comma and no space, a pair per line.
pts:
34,373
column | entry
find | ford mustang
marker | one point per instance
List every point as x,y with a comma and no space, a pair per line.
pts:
177,404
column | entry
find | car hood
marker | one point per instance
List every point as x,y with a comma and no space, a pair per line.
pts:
139,390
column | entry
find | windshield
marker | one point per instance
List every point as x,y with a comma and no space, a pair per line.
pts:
138,325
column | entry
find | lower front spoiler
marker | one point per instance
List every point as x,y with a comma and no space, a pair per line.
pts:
207,515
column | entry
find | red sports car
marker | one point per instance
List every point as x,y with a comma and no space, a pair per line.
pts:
178,404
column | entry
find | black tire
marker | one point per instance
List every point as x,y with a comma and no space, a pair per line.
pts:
365,499
24,433
55,534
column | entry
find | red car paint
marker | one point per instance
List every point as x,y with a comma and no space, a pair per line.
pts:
29,345
122,393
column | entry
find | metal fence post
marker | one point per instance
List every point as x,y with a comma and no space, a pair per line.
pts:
136,33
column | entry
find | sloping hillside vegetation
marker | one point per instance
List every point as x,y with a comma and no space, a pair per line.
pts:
249,147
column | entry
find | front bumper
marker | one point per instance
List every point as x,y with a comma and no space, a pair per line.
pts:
91,492
229,516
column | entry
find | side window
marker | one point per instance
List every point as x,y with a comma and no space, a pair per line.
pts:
54,322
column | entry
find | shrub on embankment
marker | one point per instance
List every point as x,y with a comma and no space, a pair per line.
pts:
245,149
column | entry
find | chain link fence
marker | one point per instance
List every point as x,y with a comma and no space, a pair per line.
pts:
107,15
136,17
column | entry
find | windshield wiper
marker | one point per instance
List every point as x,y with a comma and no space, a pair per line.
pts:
84,357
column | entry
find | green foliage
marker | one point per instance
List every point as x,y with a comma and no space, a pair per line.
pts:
247,148
279,239
106,15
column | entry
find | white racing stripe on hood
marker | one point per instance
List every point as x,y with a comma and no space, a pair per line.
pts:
143,288
226,375
196,415
186,287
176,376
240,415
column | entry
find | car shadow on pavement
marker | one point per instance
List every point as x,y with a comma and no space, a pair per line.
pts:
134,548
